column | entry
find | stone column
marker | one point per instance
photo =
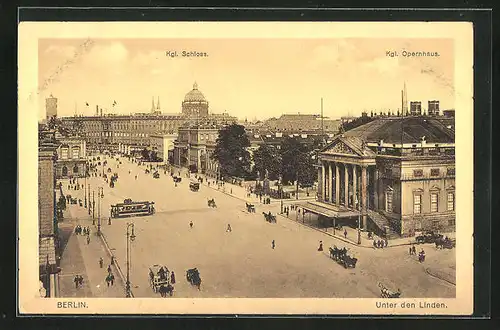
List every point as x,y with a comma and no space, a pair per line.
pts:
363,194
322,181
337,184
330,196
346,185
354,184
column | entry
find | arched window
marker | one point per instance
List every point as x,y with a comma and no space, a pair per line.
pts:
64,171
75,169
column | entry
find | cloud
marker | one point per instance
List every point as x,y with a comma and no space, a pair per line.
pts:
60,51
105,55
384,65
147,58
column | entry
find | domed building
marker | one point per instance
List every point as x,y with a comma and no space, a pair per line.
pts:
194,103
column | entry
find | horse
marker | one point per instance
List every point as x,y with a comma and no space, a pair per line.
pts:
166,289
211,203
193,277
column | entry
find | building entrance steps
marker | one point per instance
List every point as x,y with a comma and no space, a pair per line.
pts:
383,225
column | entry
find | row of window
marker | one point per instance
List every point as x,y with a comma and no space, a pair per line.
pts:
417,202
75,152
434,172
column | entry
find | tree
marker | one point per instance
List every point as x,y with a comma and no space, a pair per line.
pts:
267,157
298,162
231,151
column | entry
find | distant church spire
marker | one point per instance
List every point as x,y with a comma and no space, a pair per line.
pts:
158,104
153,104
195,85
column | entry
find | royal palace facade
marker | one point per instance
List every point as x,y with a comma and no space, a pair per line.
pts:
133,132
395,174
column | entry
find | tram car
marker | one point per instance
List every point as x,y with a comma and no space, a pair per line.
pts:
132,209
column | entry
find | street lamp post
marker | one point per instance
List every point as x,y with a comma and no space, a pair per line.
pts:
99,196
130,237
359,219
90,204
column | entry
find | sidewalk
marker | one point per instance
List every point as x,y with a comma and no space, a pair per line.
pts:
352,234
80,258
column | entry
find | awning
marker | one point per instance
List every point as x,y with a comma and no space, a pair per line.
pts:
327,210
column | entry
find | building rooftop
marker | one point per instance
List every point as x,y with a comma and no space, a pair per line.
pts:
405,129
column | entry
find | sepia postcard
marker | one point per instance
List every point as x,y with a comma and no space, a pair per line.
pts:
245,168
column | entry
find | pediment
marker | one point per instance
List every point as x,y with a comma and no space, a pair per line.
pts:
340,147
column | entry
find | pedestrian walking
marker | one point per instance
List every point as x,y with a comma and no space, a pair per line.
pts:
101,262
320,246
88,240
77,281
112,278
273,244
374,243
414,250
229,229
108,279
409,250
172,278
386,242
80,280
112,260
191,224
345,233
231,190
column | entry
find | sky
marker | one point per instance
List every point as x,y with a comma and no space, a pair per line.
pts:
248,78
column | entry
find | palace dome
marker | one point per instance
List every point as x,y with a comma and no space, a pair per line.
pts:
195,95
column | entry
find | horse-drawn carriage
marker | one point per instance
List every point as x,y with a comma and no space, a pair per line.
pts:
445,243
159,280
342,258
271,218
177,179
386,293
428,237
194,186
156,175
193,277
211,203
250,208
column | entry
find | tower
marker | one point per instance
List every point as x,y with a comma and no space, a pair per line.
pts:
433,108
404,101
51,107
152,104
158,104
